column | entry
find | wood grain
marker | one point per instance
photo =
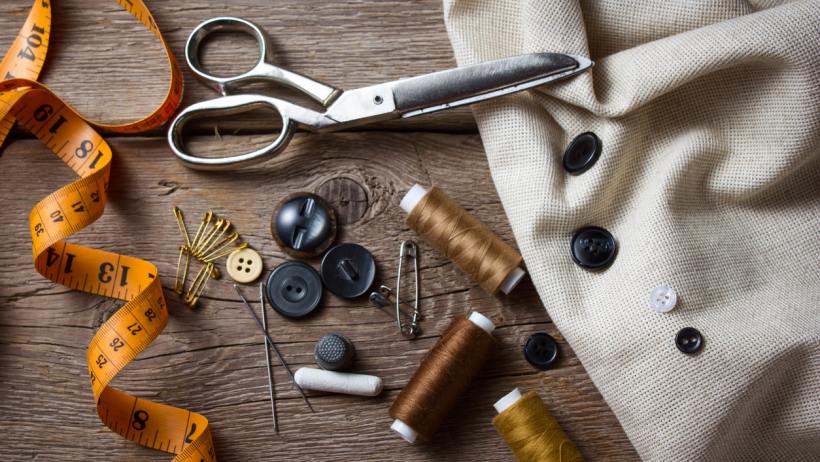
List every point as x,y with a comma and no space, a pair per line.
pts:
109,67
211,359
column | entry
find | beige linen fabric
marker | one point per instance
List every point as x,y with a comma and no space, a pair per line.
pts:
709,114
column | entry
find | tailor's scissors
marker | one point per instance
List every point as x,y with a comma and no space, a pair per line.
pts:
398,99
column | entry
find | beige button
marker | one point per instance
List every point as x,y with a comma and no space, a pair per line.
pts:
244,265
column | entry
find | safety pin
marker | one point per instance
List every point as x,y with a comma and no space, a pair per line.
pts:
204,223
227,240
181,223
207,237
226,225
215,256
198,285
410,249
179,283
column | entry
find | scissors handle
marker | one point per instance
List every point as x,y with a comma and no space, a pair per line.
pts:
264,68
228,106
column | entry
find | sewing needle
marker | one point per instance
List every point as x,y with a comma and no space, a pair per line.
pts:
267,357
275,348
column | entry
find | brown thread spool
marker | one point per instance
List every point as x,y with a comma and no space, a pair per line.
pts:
531,432
442,377
461,237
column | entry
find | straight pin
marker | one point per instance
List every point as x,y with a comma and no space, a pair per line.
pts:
267,357
273,345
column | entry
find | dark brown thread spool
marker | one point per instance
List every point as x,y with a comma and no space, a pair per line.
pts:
442,377
461,237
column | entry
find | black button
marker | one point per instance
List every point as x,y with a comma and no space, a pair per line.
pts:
541,350
294,289
348,270
689,340
334,352
304,225
582,153
593,247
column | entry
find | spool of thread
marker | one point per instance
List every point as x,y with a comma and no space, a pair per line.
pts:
531,431
461,237
442,377
338,382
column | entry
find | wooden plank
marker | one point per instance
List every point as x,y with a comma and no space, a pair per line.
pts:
211,359
103,62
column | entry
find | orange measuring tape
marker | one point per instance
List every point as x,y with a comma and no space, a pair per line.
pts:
74,206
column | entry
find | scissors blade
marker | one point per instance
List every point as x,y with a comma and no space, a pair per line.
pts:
467,85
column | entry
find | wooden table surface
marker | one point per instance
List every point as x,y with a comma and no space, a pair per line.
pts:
211,359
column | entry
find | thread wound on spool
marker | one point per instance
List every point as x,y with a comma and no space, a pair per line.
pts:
533,434
461,237
442,377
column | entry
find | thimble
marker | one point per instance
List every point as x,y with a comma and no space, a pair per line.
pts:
334,352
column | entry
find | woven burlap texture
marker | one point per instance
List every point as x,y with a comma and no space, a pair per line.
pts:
709,178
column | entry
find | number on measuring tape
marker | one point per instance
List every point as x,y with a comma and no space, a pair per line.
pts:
71,208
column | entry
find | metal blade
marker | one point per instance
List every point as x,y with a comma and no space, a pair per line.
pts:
456,87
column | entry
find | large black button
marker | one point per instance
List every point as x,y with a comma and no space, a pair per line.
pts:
689,340
541,350
294,289
348,270
582,153
593,247
304,225
334,352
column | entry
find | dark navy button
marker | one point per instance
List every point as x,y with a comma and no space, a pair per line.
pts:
304,225
582,153
334,352
593,247
348,270
689,340
541,350
294,289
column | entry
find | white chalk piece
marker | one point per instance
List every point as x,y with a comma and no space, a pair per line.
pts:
338,382
416,194
406,431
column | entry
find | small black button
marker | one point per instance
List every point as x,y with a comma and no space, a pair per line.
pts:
348,270
689,340
294,289
541,350
593,247
582,153
304,225
334,352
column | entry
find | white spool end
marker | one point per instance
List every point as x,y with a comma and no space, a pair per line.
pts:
482,321
404,431
512,280
507,400
409,201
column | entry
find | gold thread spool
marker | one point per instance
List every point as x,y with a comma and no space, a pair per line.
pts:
442,377
532,432
472,246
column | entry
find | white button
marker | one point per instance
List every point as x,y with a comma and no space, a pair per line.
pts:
244,265
663,299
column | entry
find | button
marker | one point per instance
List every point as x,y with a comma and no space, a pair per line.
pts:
294,289
348,270
689,340
593,247
541,350
304,225
334,352
244,265
663,299
582,153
